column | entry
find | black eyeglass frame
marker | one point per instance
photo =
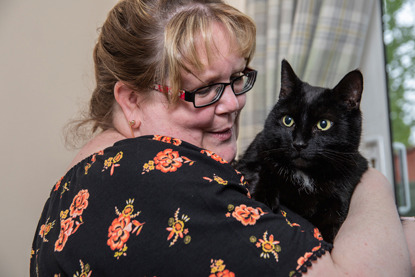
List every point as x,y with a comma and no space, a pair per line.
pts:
189,96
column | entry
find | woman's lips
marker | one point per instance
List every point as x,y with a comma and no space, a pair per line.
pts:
223,135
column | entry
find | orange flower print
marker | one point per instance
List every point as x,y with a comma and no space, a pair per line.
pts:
93,160
118,233
112,162
217,179
177,229
284,214
85,270
94,157
79,203
166,161
317,234
69,225
214,156
247,215
122,227
87,167
269,246
302,260
170,140
244,183
65,232
65,188
58,184
217,269
45,228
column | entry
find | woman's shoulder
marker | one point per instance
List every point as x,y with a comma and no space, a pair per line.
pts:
162,153
110,139
98,143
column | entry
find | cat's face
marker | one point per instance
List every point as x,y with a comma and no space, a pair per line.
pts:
311,128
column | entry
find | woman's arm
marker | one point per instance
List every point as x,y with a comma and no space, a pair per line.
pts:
408,224
371,242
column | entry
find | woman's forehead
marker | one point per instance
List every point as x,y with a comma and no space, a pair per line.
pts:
214,46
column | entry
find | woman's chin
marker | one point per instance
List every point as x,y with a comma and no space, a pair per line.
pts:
228,151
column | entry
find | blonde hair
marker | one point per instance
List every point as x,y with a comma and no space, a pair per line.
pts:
144,42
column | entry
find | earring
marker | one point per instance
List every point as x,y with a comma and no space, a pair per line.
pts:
131,123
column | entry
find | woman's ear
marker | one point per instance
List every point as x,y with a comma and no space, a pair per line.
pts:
127,99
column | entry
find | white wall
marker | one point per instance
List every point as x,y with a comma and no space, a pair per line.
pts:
45,73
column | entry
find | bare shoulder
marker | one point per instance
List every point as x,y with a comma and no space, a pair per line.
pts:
96,144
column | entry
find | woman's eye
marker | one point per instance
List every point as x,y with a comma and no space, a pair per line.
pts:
236,76
324,124
288,121
237,80
206,91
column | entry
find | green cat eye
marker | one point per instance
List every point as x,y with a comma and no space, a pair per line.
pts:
324,125
288,121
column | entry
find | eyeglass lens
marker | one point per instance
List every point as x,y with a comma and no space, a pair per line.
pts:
210,94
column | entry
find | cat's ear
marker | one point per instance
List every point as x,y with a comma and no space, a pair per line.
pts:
288,79
350,89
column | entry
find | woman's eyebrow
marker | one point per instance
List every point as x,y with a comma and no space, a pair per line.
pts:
218,78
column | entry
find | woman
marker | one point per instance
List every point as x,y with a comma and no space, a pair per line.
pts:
153,195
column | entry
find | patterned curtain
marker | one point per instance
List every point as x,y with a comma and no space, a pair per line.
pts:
321,39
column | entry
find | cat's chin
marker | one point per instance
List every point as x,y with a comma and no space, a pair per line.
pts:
301,163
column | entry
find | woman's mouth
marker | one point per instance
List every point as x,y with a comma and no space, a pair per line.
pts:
223,135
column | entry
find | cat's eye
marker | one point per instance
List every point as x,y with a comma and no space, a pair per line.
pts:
288,121
324,125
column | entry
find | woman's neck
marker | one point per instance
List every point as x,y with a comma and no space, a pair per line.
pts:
101,141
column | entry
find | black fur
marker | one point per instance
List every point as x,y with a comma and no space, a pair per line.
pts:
310,171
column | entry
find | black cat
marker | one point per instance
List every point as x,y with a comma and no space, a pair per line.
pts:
307,157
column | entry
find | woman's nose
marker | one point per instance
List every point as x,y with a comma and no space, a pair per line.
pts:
229,102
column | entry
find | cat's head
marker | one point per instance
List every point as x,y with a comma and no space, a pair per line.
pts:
311,126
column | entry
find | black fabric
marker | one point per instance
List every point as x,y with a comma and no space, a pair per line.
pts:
158,206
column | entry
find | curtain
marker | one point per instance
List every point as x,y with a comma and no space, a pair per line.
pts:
321,39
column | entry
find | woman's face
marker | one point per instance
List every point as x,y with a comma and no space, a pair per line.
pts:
214,127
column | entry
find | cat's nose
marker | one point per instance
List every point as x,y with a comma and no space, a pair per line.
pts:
299,145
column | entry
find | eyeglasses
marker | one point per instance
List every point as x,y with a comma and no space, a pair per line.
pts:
210,94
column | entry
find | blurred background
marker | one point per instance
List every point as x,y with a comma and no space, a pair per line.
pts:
46,77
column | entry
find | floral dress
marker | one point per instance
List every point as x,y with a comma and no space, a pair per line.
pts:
158,206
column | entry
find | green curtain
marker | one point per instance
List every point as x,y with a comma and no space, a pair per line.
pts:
321,39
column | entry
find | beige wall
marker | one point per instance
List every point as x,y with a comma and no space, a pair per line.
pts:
45,74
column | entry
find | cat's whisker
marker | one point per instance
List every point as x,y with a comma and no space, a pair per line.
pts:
342,162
